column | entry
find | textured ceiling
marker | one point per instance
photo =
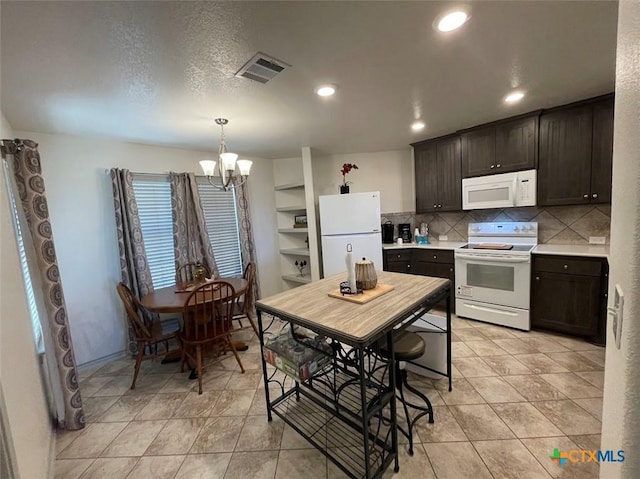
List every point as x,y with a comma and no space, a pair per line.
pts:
159,72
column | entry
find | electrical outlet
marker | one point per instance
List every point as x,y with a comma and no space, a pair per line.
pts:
597,239
443,238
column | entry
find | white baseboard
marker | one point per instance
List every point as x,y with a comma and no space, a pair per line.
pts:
97,363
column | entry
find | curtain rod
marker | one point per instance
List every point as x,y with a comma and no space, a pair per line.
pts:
108,171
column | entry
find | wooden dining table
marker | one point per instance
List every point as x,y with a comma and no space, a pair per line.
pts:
171,299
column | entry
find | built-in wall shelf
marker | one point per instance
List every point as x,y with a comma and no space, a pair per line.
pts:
292,209
296,251
289,186
296,278
293,230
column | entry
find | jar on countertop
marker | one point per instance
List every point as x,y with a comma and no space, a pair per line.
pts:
366,276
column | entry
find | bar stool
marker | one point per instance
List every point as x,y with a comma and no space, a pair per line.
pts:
407,346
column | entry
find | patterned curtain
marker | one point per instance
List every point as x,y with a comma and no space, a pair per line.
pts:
133,257
27,171
246,232
190,237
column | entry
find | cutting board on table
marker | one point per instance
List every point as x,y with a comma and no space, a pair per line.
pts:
366,296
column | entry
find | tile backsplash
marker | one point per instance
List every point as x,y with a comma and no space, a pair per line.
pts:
556,224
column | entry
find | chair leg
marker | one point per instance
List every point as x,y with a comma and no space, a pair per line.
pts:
428,410
199,367
136,369
399,374
253,325
235,353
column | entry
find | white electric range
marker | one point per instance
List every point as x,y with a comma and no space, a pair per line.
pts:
493,273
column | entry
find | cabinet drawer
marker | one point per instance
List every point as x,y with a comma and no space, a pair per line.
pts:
585,267
398,255
433,255
398,266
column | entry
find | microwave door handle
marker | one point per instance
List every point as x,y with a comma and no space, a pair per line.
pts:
515,190
492,259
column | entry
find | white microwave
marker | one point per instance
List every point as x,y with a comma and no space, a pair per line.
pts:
499,191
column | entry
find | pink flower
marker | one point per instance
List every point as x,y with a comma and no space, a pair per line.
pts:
346,168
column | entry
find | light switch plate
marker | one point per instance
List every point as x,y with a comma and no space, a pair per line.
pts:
597,239
618,305
443,238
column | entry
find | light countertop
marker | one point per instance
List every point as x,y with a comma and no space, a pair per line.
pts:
450,245
595,251
592,250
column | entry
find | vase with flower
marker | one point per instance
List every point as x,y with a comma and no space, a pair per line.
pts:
346,168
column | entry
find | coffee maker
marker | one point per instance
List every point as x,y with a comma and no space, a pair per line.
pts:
404,232
387,232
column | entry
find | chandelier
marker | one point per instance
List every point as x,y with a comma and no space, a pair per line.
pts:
226,163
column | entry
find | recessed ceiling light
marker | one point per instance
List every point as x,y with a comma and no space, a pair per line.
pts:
514,97
326,90
417,125
452,20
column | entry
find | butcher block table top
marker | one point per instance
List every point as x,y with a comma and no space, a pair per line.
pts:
358,324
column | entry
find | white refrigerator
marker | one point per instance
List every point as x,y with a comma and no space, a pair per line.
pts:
352,218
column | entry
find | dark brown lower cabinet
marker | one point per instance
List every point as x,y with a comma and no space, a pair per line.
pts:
569,295
425,262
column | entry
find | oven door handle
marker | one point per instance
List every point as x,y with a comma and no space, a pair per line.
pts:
487,259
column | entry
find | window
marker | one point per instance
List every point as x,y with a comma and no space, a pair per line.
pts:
221,217
153,195
26,276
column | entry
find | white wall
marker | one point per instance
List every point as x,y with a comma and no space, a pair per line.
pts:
390,172
26,406
621,415
81,209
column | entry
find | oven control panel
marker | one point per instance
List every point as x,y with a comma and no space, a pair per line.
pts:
506,228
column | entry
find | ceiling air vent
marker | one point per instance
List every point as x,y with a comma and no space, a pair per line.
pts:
261,68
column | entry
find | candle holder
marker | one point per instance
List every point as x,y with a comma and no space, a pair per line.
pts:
301,265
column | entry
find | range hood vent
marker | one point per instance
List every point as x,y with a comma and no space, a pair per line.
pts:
261,68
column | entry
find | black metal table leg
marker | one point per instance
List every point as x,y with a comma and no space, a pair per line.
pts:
264,366
449,374
392,402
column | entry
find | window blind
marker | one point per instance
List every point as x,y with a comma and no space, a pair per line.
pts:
26,275
221,217
153,195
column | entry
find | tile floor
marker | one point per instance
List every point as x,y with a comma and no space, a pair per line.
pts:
516,396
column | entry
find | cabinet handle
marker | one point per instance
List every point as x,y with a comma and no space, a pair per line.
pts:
435,206
566,266
498,165
451,270
537,278
439,206
585,196
398,256
435,257
409,266
595,195
493,166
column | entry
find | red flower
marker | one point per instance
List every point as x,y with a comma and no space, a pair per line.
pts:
346,168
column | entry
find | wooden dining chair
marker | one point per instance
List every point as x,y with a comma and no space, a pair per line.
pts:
185,273
207,324
243,306
147,335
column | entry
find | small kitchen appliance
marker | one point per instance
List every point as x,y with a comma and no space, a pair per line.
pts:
493,273
387,232
404,232
499,191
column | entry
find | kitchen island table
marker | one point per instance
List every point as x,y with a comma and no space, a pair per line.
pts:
347,408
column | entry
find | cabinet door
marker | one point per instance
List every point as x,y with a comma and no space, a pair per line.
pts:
479,152
602,152
565,303
426,173
399,266
564,172
517,145
449,175
438,270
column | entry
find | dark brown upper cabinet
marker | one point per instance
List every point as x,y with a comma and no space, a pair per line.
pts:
576,146
437,175
500,147
602,152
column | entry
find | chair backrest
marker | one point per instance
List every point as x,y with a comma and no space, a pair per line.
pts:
249,275
185,273
133,307
208,311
